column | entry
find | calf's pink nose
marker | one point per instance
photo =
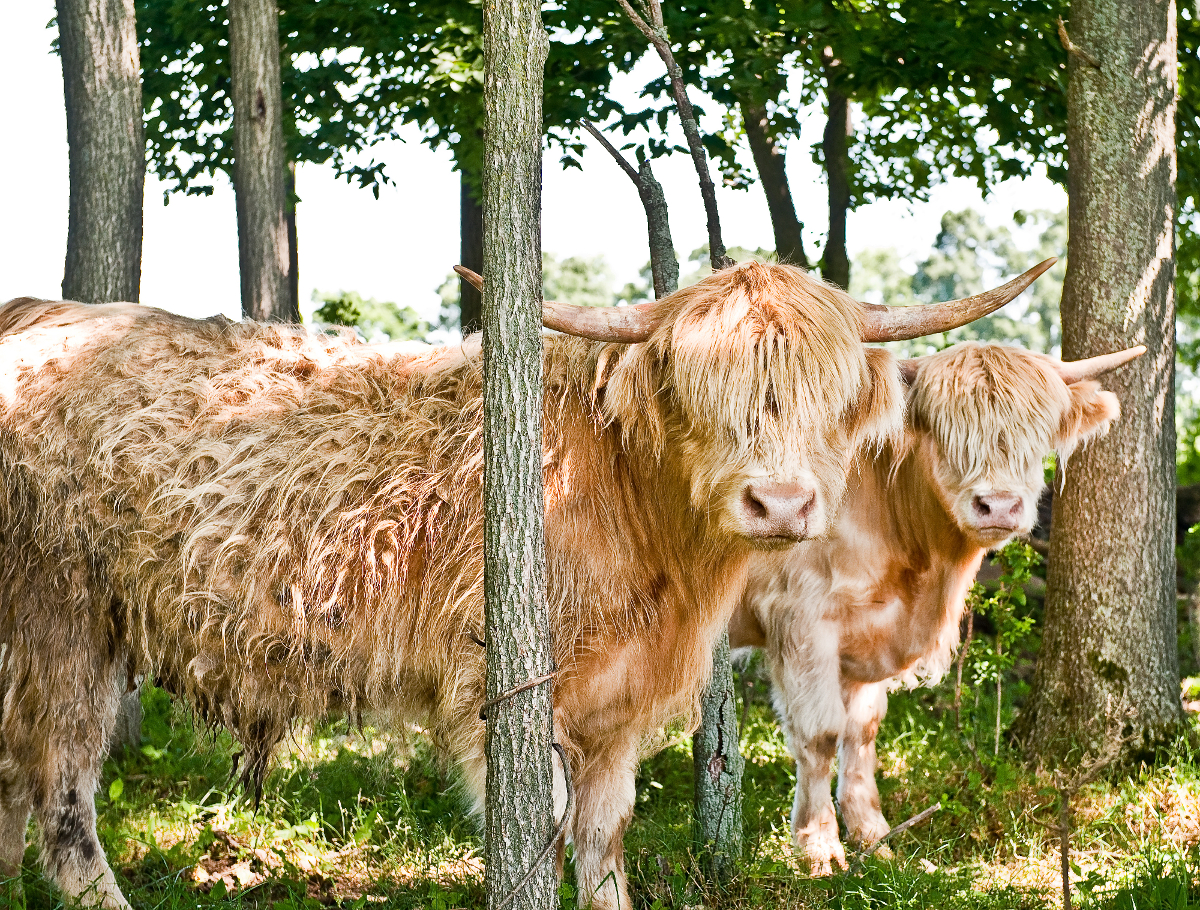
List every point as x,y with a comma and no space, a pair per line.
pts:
997,510
775,509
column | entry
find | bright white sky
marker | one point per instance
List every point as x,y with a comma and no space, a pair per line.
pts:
401,246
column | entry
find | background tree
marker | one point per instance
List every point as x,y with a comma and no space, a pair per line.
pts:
103,94
1108,667
353,74
99,48
519,812
259,178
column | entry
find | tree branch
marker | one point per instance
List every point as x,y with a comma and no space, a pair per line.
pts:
657,35
1073,48
612,150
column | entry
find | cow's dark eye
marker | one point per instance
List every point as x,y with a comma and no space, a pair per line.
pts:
771,403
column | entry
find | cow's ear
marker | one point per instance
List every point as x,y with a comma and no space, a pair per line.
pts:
881,408
626,386
1090,413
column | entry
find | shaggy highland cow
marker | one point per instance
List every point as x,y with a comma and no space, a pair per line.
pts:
275,526
876,603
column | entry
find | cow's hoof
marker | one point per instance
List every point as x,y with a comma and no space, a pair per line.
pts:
823,855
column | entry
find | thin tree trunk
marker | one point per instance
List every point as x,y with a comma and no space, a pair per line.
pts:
664,267
103,92
835,263
519,819
770,161
293,249
717,767
1108,661
258,161
470,213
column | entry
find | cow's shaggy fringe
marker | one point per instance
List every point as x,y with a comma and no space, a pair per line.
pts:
280,525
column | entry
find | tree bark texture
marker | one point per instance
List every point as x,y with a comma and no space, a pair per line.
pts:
717,772
1108,662
519,818
664,266
293,249
103,92
470,215
835,263
259,168
770,161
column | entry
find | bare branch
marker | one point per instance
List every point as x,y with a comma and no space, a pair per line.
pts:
612,150
687,116
1073,48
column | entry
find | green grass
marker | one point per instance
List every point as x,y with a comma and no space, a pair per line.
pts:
368,820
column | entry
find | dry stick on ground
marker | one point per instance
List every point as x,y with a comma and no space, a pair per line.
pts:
663,265
902,827
657,35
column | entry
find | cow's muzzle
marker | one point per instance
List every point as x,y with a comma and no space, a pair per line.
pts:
997,512
773,511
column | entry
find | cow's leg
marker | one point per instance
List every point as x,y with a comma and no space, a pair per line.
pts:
14,820
604,797
68,671
857,793
808,699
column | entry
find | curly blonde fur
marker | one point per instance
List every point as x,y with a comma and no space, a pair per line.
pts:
278,525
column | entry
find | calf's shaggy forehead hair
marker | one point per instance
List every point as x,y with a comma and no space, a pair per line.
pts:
991,407
747,353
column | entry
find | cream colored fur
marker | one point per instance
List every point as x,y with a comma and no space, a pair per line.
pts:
877,602
280,526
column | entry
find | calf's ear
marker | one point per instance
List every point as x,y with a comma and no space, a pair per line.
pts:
882,403
1090,413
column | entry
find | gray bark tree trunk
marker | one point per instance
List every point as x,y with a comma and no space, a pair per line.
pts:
835,263
770,160
1108,667
519,822
102,88
293,249
259,168
103,92
470,218
717,766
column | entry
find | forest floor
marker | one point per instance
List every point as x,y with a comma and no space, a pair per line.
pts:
367,820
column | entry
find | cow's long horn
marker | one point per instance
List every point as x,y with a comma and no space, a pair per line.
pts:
600,323
900,323
1078,370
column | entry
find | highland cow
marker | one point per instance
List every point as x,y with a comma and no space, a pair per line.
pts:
877,602
277,526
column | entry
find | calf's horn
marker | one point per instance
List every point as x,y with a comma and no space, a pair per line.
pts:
900,323
599,323
1079,370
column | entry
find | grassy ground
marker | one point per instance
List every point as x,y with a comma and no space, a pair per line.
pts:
359,821
364,820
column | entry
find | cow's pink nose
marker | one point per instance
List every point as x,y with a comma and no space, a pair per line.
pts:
771,509
1002,511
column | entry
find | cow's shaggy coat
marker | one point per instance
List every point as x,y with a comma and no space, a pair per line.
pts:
878,601
278,526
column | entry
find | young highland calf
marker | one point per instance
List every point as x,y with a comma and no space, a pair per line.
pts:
275,526
877,601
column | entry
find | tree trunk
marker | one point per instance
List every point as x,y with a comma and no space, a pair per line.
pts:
835,264
293,250
717,766
259,168
770,160
470,214
519,822
1108,665
664,266
103,91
